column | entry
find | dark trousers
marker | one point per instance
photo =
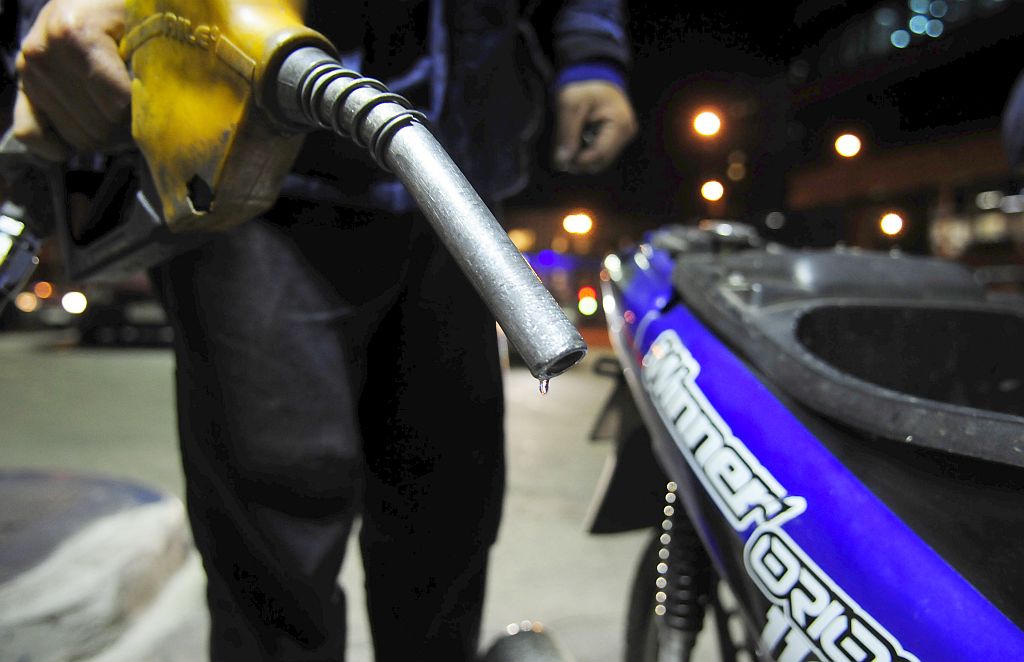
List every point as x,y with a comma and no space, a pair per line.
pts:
331,365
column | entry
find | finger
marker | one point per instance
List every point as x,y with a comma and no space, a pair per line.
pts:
67,120
30,128
607,144
110,84
102,107
74,75
94,59
61,89
571,118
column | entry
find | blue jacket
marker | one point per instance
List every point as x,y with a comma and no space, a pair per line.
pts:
480,75
475,67
1013,125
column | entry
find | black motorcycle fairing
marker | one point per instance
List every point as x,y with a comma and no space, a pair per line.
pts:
831,329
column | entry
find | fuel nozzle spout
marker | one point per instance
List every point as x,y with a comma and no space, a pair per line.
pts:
313,90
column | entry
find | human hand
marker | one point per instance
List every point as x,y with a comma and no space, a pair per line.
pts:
598,104
74,90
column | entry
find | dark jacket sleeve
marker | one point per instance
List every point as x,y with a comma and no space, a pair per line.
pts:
1013,124
16,17
591,30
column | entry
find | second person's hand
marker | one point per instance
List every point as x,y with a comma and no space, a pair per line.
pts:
605,108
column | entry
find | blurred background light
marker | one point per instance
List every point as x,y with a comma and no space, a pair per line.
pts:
74,302
736,171
578,223
848,145
712,190
43,289
560,244
775,220
707,123
900,38
523,238
938,8
26,302
891,224
587,297
988,199
1012,204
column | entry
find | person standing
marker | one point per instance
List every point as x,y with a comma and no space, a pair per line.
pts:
332,363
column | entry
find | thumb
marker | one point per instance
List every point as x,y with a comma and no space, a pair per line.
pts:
31,128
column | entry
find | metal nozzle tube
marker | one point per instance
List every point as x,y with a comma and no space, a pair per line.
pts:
314,90
527,312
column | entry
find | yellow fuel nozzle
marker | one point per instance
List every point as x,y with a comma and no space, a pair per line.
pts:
215,158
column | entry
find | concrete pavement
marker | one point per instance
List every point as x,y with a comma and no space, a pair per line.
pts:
110,412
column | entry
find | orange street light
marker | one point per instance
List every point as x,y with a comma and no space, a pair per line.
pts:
579,223
848,145
707,123
712,190
891,224
43,289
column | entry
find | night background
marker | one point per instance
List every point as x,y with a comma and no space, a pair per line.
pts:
787,78
922,83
